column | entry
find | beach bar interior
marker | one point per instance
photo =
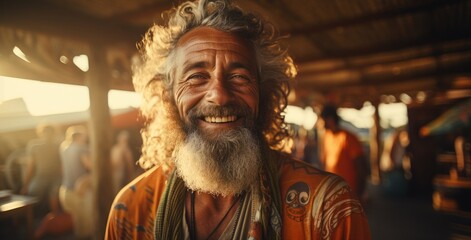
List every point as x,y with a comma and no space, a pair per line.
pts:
399,71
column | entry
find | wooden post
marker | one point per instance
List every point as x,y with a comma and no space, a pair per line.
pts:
101,136
375,149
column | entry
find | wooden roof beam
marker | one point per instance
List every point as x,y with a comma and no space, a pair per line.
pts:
416,6
398,46
431,52
147,12
445,73
49,19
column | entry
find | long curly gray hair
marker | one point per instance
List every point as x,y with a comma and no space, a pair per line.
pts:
153,74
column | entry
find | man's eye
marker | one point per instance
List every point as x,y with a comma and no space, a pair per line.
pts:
240,78
196,78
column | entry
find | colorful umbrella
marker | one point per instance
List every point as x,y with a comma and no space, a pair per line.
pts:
457,118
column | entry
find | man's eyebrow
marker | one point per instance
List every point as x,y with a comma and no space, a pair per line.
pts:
188,66
236,65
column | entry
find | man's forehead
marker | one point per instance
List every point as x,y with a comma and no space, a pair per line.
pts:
204,44
203,38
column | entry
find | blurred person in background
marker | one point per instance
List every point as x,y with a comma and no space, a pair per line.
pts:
300,141
76,190
342,152
122,161
43,172
395,163
15,168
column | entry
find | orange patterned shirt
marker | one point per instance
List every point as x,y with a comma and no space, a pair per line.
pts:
315,205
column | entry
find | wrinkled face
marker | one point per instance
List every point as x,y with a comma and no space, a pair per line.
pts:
215,87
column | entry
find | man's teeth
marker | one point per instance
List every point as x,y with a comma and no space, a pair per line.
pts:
220,119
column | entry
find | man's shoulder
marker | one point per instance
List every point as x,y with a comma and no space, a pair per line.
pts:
324,198
134,208
291,166
142,193
148,183
293,171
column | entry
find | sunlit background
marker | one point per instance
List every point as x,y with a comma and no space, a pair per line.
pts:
43,98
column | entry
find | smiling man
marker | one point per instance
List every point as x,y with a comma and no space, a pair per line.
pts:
215,82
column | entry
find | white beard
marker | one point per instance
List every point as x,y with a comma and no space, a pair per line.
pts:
228,164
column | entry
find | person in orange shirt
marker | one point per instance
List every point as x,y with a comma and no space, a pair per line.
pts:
215,82
342,152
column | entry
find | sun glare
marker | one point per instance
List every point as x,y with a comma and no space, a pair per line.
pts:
123,99
299,116
43,98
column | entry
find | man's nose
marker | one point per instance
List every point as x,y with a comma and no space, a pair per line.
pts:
219,93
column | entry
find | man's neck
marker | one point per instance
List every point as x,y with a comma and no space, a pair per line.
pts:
208,215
